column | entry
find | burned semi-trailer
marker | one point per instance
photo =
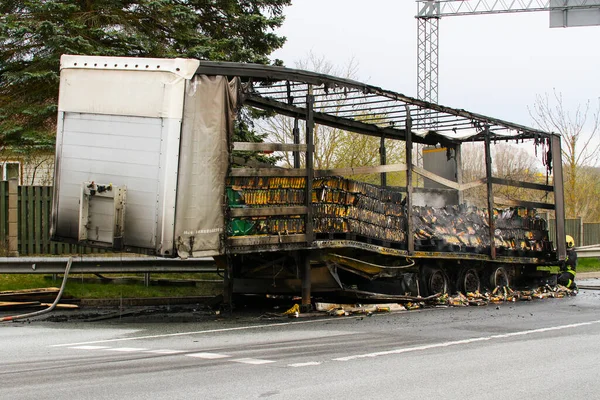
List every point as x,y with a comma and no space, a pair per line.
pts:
146,161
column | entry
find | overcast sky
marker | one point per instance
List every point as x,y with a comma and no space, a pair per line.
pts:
491,64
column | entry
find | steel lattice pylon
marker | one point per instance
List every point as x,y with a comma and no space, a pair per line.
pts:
427,59
427,75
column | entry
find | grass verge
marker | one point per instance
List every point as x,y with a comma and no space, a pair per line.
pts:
583,265
79,285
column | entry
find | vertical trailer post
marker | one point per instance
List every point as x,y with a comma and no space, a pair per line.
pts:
310,124
306,280
382,159
459,175
296,133
490,192
409,185
310,173
559,197
224,264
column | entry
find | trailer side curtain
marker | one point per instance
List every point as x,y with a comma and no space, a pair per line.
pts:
209,113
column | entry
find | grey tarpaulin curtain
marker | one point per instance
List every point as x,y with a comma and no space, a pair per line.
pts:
208,116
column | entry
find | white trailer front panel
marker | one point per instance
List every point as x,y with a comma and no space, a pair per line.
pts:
120,122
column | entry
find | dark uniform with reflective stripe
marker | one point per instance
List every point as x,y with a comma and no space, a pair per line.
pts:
567,277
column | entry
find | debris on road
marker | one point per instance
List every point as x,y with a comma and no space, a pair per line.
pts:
497,296
353,309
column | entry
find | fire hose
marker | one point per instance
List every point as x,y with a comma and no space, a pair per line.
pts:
52,306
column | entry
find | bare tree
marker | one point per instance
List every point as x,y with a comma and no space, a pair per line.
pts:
508,162
334,148
580,148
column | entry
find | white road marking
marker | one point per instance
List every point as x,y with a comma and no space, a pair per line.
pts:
126,349
89,347
253,361
208,356
306,364
239,328
464,341
164,351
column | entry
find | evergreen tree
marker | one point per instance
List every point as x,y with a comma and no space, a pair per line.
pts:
35,33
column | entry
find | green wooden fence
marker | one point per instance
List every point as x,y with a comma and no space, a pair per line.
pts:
34,211
3,216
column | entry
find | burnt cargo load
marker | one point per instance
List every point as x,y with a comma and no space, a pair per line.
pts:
343,208
147,161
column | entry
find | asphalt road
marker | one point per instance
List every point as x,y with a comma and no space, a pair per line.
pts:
545,349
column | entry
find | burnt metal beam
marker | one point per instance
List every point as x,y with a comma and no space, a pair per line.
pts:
559,197
306,281
310,173
348,103
337,122
267,211
346,171
436,178
382,160
296,134
256,240
490,193
459,172
410,231
251,146
267,172
523,203
527,185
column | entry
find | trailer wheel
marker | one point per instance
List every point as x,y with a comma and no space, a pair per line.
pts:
468,281
437,282
499,277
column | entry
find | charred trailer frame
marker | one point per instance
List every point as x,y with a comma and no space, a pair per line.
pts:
273,229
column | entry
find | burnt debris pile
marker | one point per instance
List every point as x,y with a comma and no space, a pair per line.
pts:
345,209
518,231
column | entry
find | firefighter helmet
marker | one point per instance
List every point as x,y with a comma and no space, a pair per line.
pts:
570,241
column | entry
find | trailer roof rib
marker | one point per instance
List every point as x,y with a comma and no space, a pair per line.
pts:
359,107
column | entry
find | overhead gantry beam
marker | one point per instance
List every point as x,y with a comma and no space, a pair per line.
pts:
450,8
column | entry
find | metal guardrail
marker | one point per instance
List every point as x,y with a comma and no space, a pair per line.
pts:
103,265
588,251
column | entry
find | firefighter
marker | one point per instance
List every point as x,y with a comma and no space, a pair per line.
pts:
568,269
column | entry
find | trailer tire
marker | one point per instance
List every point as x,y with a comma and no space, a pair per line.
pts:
434,280
499,277
468,281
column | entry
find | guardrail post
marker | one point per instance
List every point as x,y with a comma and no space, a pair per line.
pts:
13,217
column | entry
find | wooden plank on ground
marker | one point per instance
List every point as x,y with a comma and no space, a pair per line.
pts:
62,306
17,305
42,294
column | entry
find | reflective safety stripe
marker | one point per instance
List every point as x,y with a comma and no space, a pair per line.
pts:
572,272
